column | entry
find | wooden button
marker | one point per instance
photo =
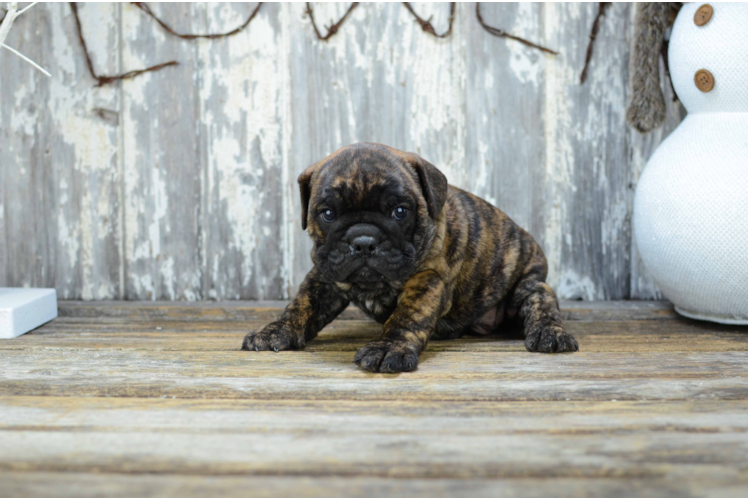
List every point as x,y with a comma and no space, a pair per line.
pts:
703,15
704,80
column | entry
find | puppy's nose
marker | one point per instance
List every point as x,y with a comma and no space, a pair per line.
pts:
363,245
363,239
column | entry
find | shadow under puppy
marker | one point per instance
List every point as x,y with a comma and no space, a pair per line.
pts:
421,257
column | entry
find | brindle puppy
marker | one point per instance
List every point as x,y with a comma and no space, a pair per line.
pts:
421,257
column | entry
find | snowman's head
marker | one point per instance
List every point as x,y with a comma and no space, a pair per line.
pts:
719,46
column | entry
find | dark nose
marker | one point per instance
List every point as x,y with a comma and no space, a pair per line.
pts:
363,239
363,245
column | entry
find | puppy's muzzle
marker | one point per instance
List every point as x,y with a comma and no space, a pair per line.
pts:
363,239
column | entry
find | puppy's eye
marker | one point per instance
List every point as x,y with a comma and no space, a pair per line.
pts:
399,213
328,215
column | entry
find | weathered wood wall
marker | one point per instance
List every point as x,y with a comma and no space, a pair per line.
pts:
180,184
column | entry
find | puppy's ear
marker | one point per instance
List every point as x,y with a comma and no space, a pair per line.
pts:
433,184
305,187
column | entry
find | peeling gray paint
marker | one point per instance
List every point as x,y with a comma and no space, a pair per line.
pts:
181,184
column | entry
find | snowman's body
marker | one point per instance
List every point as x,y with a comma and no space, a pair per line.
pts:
691,206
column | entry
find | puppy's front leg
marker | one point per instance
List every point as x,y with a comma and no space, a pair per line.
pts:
316,304
422,302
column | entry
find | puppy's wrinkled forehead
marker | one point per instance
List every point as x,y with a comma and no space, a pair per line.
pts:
360,174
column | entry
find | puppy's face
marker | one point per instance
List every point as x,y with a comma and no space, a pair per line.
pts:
371,211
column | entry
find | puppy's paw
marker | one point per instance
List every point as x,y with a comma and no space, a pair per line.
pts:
550,339
387,356
276,337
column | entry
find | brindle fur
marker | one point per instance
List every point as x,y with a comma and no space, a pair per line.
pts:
455,265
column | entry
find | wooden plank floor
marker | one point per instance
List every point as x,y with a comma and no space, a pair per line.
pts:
136,399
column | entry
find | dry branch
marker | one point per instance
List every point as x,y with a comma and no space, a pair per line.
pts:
501,33
106,79
426,23
333,28
593,34
145,8
6,23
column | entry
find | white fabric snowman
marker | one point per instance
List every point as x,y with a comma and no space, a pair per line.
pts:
691,206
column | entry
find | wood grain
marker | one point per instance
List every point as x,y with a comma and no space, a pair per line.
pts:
510,376
127,398
52,484
652,446
587,159
397,449
269,309
161,167
365,441
347,336
59,155
180,184
505,112
240,133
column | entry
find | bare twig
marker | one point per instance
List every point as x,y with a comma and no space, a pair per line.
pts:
26,59
106,79
426,23
27,7
501,33
6,23
145,8
602,6
333,28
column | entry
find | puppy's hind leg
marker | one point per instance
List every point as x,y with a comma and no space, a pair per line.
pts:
538,308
